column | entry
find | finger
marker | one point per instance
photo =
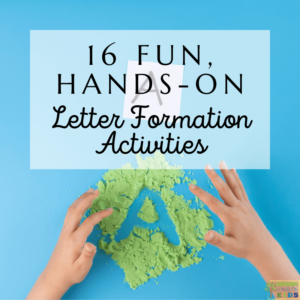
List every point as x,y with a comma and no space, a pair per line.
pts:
231,181
89,191
223,242
89,223
78,208
221,186
237,178
85,260
213,203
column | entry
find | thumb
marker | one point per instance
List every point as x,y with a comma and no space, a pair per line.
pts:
214,238
89,251
87,255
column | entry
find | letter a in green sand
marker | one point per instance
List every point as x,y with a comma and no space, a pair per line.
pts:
147,212
146,254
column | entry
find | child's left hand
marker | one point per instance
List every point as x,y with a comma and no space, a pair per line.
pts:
72,257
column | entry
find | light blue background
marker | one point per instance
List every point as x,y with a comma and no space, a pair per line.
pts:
231,52
34,202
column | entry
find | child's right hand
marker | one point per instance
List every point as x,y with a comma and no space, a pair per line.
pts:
245,234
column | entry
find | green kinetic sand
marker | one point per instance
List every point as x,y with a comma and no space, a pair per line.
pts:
148,212
145,254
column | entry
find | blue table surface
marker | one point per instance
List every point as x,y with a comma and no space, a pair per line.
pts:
34,202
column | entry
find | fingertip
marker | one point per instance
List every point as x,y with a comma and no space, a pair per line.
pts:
91,248
208,167
105,213
92,191
109,211
223,166
93,195
209,170
209,236
192,186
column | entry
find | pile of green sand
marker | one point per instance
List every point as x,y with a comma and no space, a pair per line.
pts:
145,254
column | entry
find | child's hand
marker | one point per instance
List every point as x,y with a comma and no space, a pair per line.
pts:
72,257
245,234
244,230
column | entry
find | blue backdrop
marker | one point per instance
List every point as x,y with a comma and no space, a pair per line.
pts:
33,203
